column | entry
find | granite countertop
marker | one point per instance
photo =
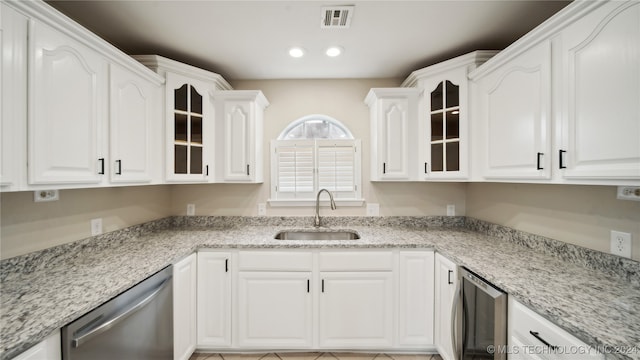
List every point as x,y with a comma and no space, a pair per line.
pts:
43,291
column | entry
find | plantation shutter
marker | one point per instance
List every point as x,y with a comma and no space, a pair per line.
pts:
295,164
337,167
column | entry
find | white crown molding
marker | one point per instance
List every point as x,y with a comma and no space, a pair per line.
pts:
542,32
473,60
44,13
162,64
253,95
391,93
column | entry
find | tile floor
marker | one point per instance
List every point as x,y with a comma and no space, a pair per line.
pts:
313,356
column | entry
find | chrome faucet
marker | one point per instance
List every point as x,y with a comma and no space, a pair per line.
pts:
316,221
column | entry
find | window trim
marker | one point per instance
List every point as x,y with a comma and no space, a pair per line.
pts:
306,118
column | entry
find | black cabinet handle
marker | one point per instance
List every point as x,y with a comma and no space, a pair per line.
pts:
206,170
101,166
537,336
322,285
119,163
449,277
384,168
248,173
561,159
538,166
308,285
425,168
226,265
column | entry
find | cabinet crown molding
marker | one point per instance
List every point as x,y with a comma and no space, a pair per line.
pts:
161,65
251,95
376,93
472,60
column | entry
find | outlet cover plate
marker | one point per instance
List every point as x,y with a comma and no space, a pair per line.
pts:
451,210
621,243
373,209
629,193
96,226
191,209
262,209
45,195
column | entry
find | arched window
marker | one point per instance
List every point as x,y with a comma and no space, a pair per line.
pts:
312,153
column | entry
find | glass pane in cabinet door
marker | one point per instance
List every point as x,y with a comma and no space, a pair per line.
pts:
180,98
436,127
453,124
196,129
453,97
180,159
196,101
196,160
180,127
436,157
453,156
436,98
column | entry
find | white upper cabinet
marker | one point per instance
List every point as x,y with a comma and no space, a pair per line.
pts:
600,94
67,95
561,104
394,125
239,129
135,128
13,75
190,129
444,114
515,111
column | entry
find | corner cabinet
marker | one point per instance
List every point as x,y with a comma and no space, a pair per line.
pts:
184,305
446,279
47,349
189,118
394,125
444,115
239,139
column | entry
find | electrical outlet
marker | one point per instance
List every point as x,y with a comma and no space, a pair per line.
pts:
45,195
621,243
451,210
629,193
96,226
191,209
373,209
262,209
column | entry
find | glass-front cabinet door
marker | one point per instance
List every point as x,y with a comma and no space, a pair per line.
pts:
188,119
444,117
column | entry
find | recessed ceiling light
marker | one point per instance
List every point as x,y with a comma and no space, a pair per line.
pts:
334,51
296,52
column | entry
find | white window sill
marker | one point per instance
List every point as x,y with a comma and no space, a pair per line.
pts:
308,202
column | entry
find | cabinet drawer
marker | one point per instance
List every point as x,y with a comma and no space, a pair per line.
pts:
275,261
531,329
356,261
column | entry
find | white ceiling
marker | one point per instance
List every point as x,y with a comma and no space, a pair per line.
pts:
250,39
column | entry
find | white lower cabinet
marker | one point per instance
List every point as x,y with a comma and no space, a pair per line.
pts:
184,307
356,310
214,300
530,336
47,349
415,299
446,277
274,310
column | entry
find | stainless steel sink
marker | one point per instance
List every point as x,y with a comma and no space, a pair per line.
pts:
317,235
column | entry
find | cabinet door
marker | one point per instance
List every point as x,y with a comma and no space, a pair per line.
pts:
67,103
601,92
356,310
516,112
446,275
275,310
184,308
13,124
415,308
214,300
47,349
238,140
189,128
394,136
135,112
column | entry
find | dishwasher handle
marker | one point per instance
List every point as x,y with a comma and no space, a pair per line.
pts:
108,324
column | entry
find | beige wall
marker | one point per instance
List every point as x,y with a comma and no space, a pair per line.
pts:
576,214
27,226
342,99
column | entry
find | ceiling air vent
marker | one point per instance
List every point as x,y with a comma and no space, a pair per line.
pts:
336,17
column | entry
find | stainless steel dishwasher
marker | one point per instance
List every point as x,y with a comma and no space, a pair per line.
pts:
135,325
479,329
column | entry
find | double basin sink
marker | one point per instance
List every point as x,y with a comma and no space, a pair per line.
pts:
317,235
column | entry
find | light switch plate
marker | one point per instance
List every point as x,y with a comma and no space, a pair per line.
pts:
191,209
373,209
262,209
96,226
451,210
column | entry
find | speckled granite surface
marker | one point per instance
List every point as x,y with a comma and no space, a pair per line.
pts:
592,296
